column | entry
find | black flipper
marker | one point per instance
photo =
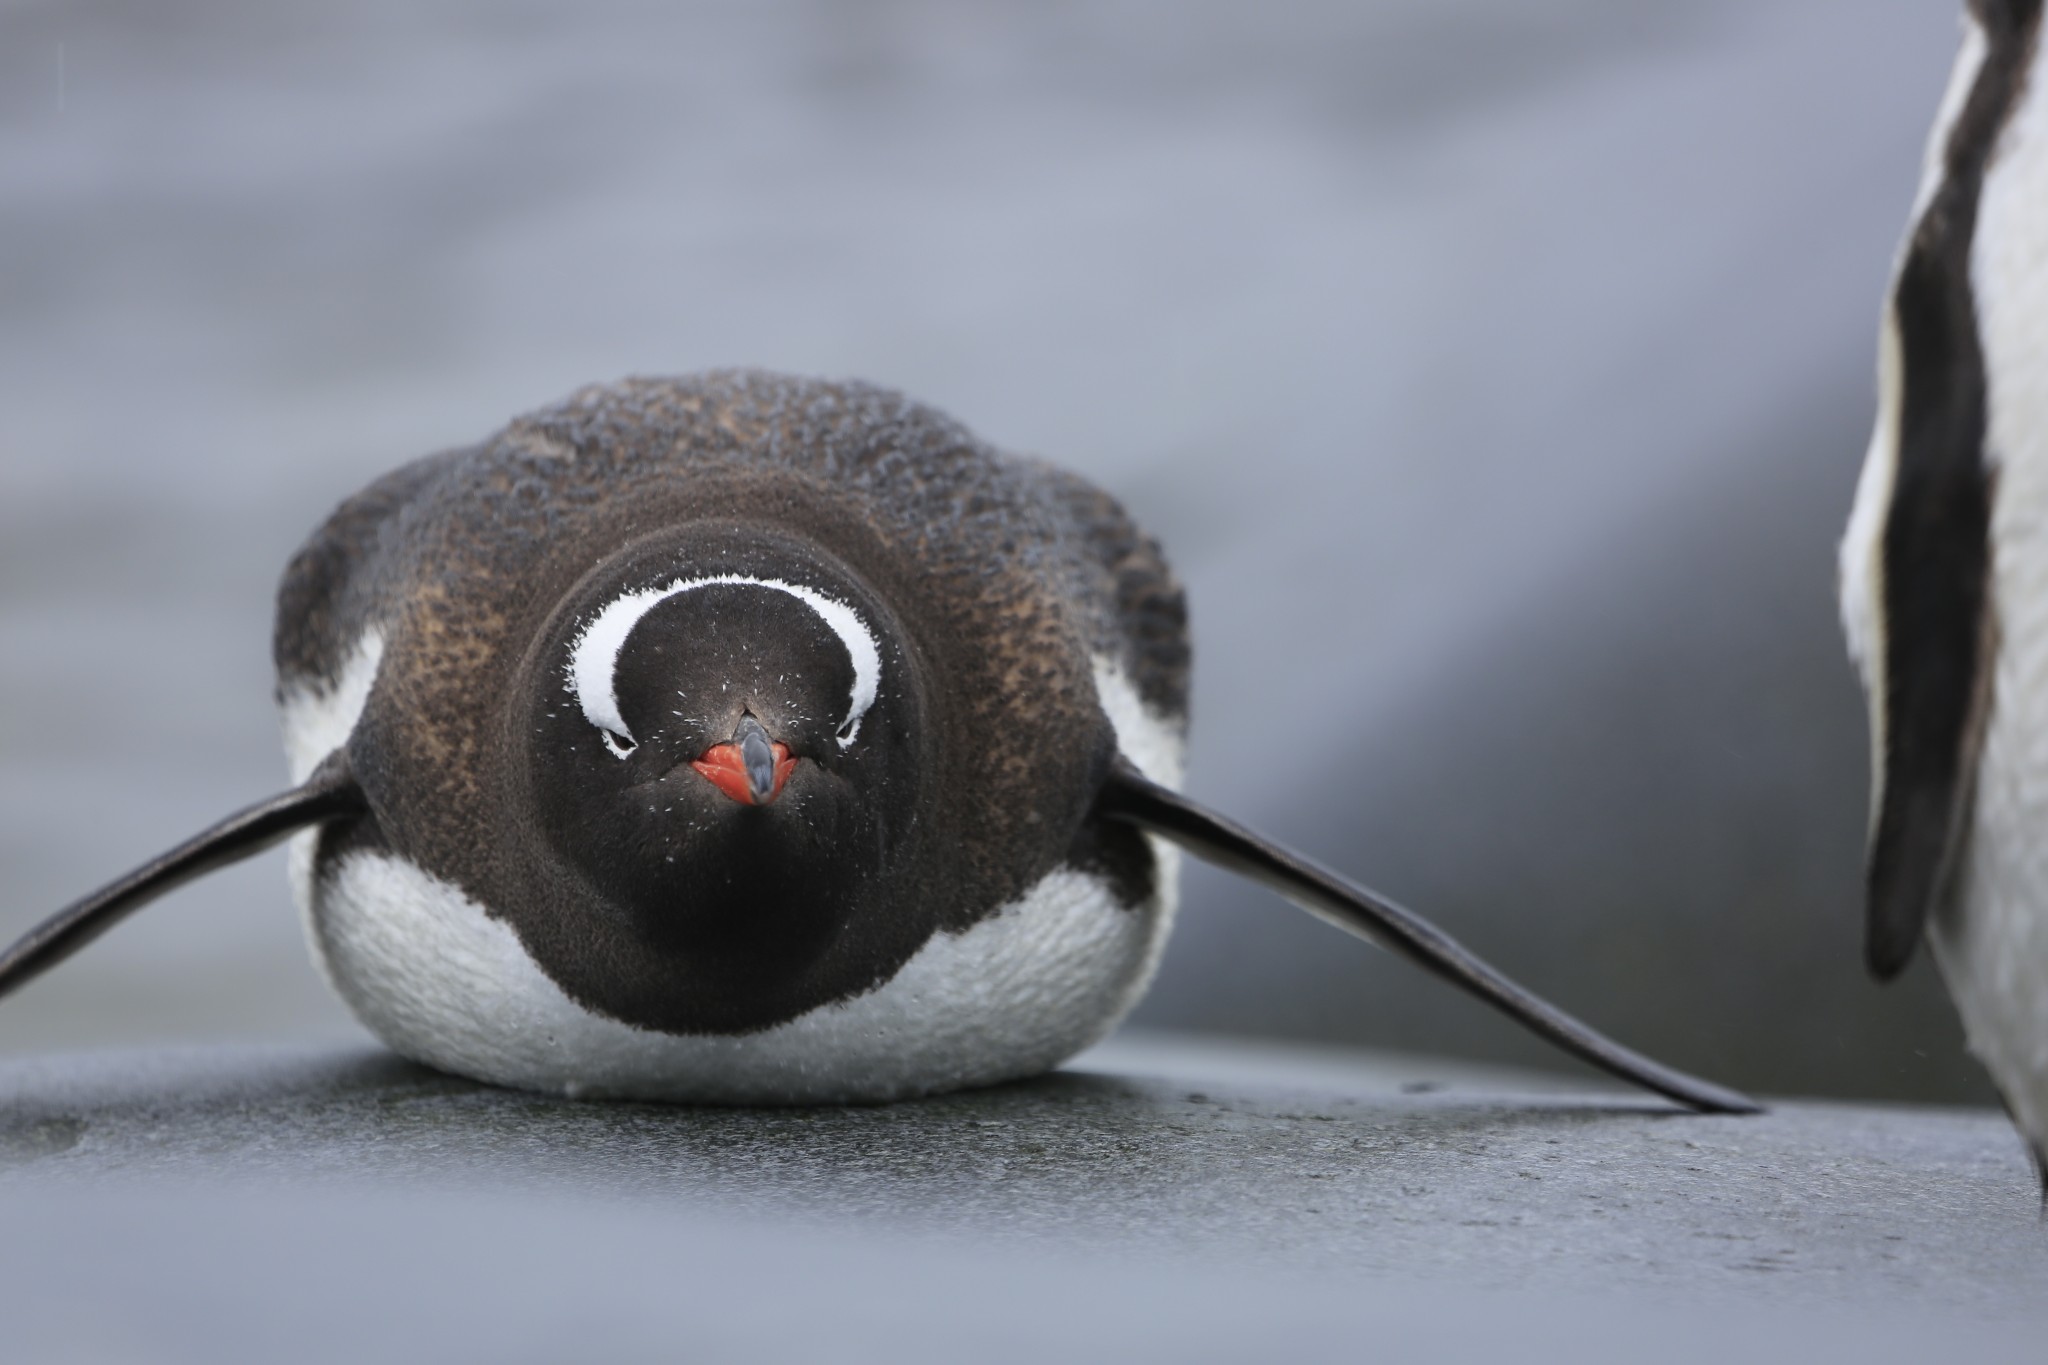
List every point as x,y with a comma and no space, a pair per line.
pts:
329,794
1129,797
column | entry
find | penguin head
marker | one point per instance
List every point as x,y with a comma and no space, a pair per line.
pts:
725,750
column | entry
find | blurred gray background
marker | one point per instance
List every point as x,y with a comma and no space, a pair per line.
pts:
1495,371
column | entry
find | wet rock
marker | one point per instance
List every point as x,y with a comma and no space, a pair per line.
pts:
1162,1200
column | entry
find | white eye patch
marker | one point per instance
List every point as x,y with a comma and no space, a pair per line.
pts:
594,658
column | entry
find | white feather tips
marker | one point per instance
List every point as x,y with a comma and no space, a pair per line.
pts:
319,715
594,658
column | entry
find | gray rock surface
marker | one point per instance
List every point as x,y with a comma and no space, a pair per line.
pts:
1160,1200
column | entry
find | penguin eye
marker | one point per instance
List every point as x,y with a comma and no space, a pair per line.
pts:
848,731
620,745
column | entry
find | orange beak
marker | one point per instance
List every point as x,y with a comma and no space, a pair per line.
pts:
751,770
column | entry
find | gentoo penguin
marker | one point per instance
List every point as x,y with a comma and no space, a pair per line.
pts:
747,739
1944,568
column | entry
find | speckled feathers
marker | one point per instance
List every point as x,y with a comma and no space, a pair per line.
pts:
1001,585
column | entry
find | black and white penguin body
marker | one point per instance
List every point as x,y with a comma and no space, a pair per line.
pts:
744,738
524,647
1945,567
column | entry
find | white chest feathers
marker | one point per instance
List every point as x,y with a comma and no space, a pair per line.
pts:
441,980
1993,942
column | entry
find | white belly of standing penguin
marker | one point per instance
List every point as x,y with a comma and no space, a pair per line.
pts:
441,980
1992,941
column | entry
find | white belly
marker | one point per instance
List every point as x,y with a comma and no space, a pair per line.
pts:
439,979
1993,951
1993,946
1992,942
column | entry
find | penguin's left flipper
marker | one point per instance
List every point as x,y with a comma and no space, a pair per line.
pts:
1129,797
330,793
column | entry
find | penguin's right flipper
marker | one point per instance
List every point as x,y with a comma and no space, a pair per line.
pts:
1928,667
331,793
1129,797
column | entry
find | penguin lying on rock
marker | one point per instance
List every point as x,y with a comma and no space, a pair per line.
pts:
748,739
1945,568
